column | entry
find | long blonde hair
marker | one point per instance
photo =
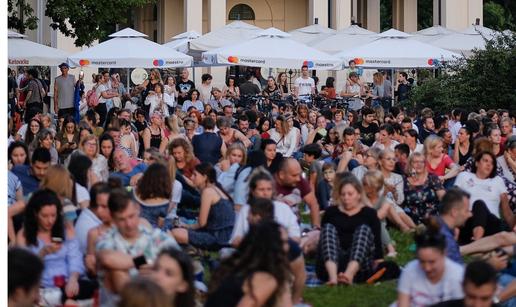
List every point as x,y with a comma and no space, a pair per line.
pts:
57,178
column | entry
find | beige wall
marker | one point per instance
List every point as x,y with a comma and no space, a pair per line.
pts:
458,14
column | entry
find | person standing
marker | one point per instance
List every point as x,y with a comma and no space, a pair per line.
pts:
387,86
64,92
304,85
183,87
402,87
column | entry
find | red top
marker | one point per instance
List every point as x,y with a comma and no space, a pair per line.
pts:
440,170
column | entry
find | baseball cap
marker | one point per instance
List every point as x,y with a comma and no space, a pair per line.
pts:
215,89
353,74
63,64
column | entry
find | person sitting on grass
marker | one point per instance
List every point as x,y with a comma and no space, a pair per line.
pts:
350,244
324,190
257,273
263,209
216,216
312,153
479,286
432,278
373,183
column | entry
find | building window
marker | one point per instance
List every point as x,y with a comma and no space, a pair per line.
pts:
243,10
155,13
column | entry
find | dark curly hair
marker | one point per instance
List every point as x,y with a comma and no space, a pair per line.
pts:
37,201
261,250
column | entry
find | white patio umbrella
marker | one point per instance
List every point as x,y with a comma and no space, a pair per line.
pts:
394,50
306,34
341,40
464,41
21,51
129,48
431,33
236,31
272,48
180,42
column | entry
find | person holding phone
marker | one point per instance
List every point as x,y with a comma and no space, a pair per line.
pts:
67,139
129,249
46,234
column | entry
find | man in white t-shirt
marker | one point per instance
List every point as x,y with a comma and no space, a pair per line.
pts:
304,85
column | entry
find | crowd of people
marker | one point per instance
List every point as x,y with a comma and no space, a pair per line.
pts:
106,201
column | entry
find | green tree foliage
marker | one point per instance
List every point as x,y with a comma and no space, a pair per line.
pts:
500,14
20,16
425,14
483,80
84,20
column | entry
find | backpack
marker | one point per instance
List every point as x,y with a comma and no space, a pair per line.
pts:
91,97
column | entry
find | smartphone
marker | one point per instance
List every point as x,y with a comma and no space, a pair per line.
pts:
71,143
57,240
81,74
139,261
350,148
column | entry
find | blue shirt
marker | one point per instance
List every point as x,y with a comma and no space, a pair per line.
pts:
126,177
452,245
207,147
29,183
65,261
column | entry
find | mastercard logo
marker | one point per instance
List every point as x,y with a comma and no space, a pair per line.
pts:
359,61
158,62
84,62
310,64
433,62
232,59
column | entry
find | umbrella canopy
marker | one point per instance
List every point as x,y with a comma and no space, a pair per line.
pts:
306,34
272,48
236,31
431,33
341,40
21,51
464,41
181,41
129,48
393,49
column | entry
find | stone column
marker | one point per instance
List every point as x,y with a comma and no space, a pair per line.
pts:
373,15
192,15
318,9
341,14
404,15
217,16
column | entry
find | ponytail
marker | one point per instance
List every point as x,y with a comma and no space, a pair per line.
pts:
207,169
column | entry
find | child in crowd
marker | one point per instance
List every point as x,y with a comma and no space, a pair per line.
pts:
353,68
325,186
312,153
